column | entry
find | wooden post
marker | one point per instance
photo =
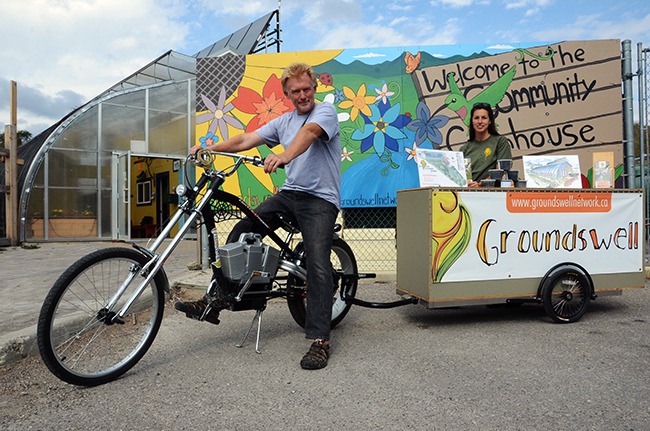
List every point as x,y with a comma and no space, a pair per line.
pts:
13,103
11,170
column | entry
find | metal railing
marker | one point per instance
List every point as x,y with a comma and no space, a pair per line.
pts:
642,165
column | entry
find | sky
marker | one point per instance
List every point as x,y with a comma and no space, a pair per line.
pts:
62,53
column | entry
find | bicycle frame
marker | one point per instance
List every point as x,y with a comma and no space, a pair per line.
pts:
194,209
80,350
211,180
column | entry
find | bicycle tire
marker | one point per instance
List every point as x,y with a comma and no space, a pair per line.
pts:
343,261
566,294
74,340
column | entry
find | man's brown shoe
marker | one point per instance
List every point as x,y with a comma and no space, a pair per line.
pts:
316,357
195,309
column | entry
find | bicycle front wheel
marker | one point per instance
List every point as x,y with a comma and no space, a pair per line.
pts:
78,338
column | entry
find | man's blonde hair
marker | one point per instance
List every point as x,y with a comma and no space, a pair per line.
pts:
295,70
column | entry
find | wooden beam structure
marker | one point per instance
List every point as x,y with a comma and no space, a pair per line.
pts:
11,169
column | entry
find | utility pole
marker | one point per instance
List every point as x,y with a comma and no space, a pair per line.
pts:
11,168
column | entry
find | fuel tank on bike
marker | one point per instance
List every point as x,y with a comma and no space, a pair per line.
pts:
250,265
239,260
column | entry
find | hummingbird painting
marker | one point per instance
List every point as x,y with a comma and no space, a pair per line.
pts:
493,94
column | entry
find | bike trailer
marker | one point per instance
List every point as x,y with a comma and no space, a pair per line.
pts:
562,248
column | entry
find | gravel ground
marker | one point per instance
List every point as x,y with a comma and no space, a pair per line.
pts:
411,368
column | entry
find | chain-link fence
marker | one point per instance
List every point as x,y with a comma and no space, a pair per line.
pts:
370,232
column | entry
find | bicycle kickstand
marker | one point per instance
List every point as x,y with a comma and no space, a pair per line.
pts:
258,318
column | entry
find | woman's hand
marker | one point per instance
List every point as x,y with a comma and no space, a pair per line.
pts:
473,184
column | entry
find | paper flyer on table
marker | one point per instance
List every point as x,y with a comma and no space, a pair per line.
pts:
552,172
441,168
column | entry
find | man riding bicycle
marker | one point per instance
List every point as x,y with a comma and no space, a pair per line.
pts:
310,197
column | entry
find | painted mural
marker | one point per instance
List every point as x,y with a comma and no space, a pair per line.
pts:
551,98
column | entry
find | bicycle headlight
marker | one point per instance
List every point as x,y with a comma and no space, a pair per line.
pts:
181,189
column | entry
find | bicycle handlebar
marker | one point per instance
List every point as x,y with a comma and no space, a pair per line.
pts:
205,158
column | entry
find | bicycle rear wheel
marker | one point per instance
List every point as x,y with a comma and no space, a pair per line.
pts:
343,263
77,338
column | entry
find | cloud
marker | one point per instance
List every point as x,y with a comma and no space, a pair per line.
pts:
400,7
37,109
535,4
596,27
500,46
453,3
364,35
84,45
247,8
398,20
93,44
370,55
323,14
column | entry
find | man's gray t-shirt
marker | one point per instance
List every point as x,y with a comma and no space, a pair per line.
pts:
317,171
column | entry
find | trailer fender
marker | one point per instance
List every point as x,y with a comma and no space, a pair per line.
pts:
565,292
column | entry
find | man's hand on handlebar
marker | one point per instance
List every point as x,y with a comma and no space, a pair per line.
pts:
272,162
194,149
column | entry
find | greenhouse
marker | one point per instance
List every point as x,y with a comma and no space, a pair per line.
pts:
108,169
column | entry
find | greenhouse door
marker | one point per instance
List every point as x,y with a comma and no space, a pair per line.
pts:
121,197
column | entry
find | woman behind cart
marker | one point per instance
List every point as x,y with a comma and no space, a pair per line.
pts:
485,145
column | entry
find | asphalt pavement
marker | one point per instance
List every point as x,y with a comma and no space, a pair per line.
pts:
473,368
27,273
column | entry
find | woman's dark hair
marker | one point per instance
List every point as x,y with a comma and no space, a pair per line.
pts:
492,128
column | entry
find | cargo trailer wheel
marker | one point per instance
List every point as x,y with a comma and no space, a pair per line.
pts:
566,292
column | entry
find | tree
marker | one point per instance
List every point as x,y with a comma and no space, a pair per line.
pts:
23,137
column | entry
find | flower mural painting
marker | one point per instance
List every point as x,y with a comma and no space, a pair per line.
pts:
345,155
427,127
218,115
383,94
357,102
412,153
381,129
208,140
271,104
342,116
338,96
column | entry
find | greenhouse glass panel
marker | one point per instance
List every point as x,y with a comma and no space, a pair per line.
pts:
35,205
71,168
72,214
106,166
122,124
168,129
170,97
34,219
81,133
106,215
